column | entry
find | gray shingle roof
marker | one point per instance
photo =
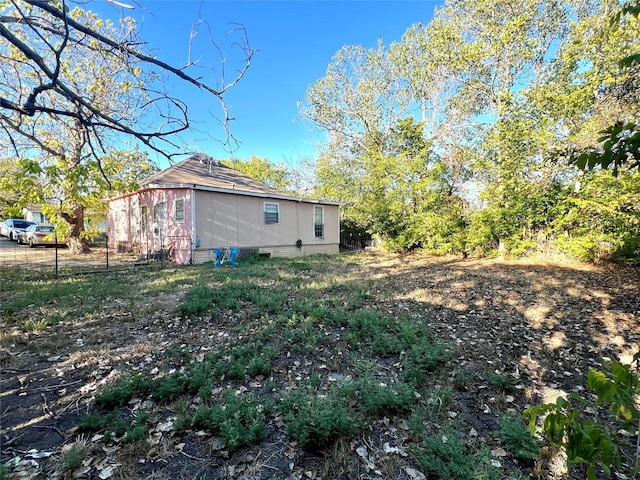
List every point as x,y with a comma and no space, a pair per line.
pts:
203,171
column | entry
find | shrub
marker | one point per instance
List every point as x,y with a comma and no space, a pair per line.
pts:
94,422
587,441
169,387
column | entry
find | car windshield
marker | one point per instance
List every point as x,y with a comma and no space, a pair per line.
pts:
45,229
21,224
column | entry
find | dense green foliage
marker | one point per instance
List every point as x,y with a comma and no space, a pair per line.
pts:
589,442
508,102
277,176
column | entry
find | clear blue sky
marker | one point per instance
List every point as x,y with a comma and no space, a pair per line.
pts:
295,41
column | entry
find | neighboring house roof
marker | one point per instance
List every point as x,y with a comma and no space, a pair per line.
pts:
202,172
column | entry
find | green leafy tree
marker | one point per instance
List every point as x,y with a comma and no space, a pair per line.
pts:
403,196
277,176
500,90
8,197
601,220
75,197
619,143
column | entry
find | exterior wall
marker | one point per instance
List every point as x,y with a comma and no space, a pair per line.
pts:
33,213
132,229
218,220
238,221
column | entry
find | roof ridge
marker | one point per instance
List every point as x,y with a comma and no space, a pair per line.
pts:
203,170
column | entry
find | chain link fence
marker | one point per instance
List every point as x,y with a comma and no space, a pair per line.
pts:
44,262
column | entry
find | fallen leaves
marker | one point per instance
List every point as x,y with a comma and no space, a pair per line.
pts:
540,325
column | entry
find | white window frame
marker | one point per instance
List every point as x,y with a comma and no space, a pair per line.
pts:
144,220
277,213
160,219
175,208
317,208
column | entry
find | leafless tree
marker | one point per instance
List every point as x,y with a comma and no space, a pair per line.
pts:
39,41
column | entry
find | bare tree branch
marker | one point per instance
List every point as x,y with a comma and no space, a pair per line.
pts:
44,64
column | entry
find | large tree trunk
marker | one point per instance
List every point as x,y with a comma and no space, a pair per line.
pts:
77,243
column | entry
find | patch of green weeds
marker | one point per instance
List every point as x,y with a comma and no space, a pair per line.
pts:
314,420
358,299
232,295
267,300
303,336
421,359
439,400
237,361
169,387
337,317
72,458
197,301
138,430
313,308
66,292
516,438
446,456
433,408
500,380
94,421
55,316
376,397
237,419
112,424
124,389
200,380
233,362
366,324
35,326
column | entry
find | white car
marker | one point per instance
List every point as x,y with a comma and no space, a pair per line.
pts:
40,235
12,227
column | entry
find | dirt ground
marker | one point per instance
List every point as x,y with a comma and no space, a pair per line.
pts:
544,323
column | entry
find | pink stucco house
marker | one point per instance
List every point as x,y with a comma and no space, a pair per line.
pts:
200,204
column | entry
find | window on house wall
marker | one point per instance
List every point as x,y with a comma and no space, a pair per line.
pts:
144,221
271,213
179,210
116,223
132,222
318,222
159,218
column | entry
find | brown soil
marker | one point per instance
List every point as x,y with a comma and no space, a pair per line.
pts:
543,323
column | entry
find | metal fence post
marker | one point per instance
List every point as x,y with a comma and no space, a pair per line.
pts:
55,237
